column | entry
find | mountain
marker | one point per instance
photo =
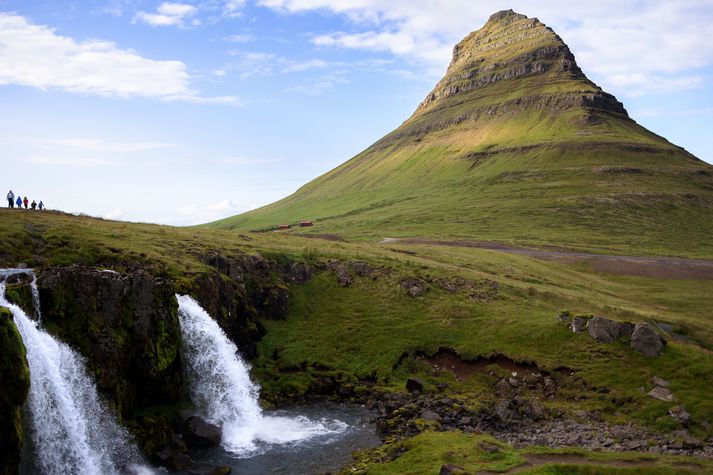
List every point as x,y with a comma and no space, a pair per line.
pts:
514,144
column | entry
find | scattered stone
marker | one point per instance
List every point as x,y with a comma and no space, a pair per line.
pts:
414,287
579,324
414,385
429,415
513,381
680,414
660,383
603,330
362,269
662,394
199,433
646,340
690,442
451,469
488,447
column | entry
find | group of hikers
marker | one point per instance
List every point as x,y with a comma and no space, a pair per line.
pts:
11,202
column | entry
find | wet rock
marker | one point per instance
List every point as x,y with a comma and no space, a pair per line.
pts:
603,330
299,273
451,469
199,433
173,460
414,385
662,394
579,324
646,340
678,413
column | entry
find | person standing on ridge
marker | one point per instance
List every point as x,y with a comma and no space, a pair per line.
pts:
11,199
19,202
41,206
25,202
33,205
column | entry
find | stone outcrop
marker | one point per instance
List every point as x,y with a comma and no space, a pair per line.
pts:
604,330
15,382
645,339
126,325
199,433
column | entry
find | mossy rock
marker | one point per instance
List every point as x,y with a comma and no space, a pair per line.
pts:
15,377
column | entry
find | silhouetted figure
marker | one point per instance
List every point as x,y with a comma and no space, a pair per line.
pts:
11,199
25,202
33,205
41,206
19,202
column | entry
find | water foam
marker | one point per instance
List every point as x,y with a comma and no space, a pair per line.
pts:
220,387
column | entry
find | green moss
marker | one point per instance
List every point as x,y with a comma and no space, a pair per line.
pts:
15,377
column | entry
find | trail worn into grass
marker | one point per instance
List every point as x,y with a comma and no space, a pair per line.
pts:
534,460
642,266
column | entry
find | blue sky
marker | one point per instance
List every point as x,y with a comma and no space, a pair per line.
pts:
184,112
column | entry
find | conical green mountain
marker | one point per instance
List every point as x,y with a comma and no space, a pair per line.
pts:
514,144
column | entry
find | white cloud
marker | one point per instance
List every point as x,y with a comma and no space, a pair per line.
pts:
34,55
319,86
198,214
300,66
238,38
243,161
233,8
168,14
116,213
631,46
80,162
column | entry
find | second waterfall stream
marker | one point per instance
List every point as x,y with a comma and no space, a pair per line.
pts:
221,389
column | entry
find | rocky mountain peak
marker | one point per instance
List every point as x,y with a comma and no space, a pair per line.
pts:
511,54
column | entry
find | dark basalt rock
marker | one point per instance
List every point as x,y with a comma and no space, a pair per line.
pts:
414,385
200,434
603,330
126,326
452,469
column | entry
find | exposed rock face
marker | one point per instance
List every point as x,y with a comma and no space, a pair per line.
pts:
125,325
579,324
646,340
15,381
201,434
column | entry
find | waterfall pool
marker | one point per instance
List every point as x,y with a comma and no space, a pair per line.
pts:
326,453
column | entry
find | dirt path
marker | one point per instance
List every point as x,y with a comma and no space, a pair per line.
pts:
655,267
533,460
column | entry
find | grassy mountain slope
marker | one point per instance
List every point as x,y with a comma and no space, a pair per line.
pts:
514,144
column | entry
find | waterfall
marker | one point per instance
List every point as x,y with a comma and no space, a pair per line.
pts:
70,429
220,387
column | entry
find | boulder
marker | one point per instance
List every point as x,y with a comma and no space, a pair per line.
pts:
603,330
343,276
662,394
451,469
429,415
199,433
414,385
646,340
660,383
626,329
579,324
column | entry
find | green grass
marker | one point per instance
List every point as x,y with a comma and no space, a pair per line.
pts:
428,451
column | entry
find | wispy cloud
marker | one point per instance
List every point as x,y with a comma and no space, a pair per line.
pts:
203,213
233,8
319,86
34,55
168,14
630,46
244,161
95,145
80,162
238,38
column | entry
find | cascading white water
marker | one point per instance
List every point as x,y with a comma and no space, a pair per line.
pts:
221,389
70,429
